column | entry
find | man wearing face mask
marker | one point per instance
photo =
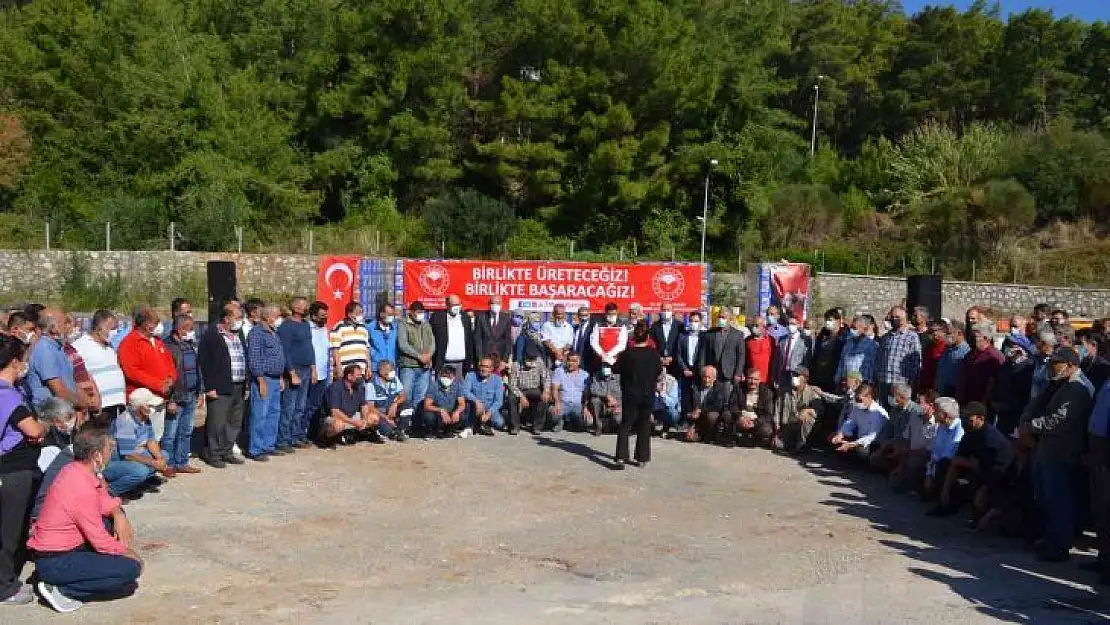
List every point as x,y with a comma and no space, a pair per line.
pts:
1057,421
725,349
797,412
484,392
51,372
666,333
454,336
383,336
862,426
980,369
187,396
791,351
827,349
266,362
604,401
386,397
759,347
899,356
21,327
416,344
86,387
775,329
893,440
55,452
295,335
558,336
1091,358
138,455
494,331
583,328
223,365
689,358
96,350
444,405
1010,394
350,341
609,337
529,393
147,364
529,343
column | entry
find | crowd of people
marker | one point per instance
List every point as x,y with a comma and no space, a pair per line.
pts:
1012,425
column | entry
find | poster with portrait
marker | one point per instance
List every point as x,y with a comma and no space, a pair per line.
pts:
786,285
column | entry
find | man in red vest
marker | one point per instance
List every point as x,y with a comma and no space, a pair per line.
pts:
146,363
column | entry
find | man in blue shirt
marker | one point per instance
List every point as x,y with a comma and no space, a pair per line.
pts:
568,391
948,369
266,362
386,396
137,454
484,392
51,372
444,405
383,337
300,371
950,431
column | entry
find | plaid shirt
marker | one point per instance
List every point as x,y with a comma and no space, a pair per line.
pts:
535,379
899,357
238,356
265,357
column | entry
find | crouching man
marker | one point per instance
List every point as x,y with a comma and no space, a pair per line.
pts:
349,415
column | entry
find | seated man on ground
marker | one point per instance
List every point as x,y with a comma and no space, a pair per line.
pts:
444,405
529,393
55,452
665,409
983,459
862,426
604,410
892,440
484,392
709,406
76,557
797,411
137,454
950,431
386,396
910,460
349,415
568,390
753,412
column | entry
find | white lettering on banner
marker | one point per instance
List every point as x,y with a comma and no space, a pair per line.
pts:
578,274
611,291
502,274
505,289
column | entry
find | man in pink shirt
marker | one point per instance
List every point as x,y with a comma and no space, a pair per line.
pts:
77,557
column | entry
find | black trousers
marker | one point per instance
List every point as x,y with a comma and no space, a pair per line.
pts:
636,418
224,422
17,493
536,410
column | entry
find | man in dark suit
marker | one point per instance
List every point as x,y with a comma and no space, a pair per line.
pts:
689,358
709,407
454,336
792,350
725,349
583,327
665,333
494,334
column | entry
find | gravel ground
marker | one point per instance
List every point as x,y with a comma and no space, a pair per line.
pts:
538,530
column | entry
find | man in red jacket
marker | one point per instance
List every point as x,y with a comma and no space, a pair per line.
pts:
146,363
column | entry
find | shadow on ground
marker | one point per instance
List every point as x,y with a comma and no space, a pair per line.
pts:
996,575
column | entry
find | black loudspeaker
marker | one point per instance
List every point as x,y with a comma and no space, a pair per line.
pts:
222,286
924,291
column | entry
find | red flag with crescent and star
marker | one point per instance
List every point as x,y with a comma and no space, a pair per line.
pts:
335,284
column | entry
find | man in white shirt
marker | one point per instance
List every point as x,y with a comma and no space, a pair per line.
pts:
863,424
558,336
95,348
609,337
454,338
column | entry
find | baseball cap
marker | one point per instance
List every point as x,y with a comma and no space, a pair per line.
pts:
1066,355
143,397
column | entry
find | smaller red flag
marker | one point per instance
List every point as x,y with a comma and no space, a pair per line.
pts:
335,284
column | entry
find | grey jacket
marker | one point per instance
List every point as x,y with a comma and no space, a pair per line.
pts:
412,340
601,387
1061,429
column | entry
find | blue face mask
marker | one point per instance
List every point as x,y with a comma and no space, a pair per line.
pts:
853,332
1083,353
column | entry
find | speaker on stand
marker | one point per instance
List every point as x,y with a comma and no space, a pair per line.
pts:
924,291
222,286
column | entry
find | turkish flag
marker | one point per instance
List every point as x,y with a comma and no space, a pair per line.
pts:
335,284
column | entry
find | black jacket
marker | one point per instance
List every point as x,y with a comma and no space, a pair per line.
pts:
215,362
439,331
684,361
764,404
667,348
494,340
716,400
175,348
639,368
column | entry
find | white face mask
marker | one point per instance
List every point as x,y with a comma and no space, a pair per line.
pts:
796,381
666,315
236,325
455,310
419,317
606,371
388,320
277,324
772,320
495,308
69,425
830,325
392,375
24,370
113,333
862,405
191,336
445,382
793,328
611,319
159,330
356,318
695,326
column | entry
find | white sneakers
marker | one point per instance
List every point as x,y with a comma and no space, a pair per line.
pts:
466,433
56,599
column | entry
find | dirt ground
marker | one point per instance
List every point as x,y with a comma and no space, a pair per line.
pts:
538,530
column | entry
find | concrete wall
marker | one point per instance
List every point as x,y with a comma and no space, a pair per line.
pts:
40,273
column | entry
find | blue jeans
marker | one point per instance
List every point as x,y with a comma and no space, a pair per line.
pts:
669,415
470,418
123,476
415,381
84,575
313,401
177,439
571,415
1054,488
265,415
293,400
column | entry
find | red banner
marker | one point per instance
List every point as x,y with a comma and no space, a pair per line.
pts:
335,284
539,285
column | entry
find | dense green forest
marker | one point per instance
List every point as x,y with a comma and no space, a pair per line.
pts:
492,127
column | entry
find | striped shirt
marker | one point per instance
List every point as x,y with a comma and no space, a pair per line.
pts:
352,341
238,356
104,368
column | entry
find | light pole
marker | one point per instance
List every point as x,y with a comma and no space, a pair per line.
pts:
705,206
816,100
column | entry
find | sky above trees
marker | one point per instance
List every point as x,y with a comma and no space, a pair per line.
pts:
1089,10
